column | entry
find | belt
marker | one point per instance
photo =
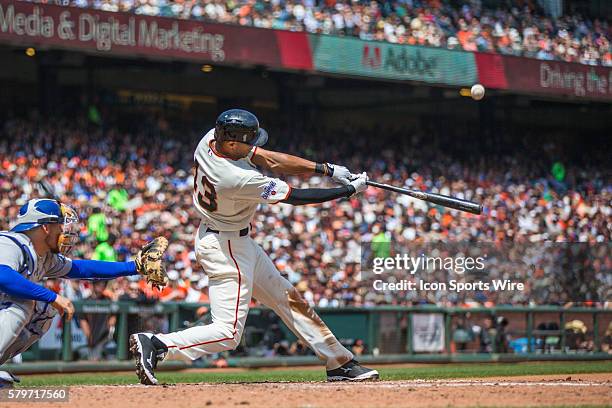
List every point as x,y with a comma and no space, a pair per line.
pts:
243,232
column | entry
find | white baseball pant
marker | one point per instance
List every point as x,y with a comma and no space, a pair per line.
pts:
238,268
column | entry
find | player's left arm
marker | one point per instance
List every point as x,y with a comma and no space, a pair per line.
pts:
304,196
287,164
264,189
100,270
104,270
61,266
148,262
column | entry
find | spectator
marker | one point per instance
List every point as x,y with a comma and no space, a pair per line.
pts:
359,348
96,225
118,198
463,335
575,335
606,344
487,335
319,247
472,25
105,251
501,336
98,328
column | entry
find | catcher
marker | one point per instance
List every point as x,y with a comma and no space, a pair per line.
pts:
37,248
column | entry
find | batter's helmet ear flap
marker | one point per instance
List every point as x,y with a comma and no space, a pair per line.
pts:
262,138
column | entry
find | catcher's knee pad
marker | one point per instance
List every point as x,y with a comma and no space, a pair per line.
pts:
42,317
40,321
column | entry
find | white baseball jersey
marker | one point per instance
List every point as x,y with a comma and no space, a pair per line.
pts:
227,192
49,266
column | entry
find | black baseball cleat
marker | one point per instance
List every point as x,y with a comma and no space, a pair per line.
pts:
8,380
147,350
352,371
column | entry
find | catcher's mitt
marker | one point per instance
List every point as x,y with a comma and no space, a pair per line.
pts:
149,262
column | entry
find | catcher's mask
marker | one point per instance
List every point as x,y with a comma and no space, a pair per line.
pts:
44,211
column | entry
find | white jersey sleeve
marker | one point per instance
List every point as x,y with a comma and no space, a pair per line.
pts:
57,265
35,268
262,189
10,254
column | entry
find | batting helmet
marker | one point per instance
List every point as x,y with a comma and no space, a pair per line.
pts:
241,126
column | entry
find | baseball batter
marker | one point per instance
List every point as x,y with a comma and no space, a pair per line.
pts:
37,248
228,187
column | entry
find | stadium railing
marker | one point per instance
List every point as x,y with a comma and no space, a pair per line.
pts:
363,323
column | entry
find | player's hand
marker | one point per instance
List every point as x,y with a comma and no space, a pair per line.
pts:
340,174
360,183
63,305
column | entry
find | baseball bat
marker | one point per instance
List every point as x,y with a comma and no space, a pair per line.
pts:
445,201
48,189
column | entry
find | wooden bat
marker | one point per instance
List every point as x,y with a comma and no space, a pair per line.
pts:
445,201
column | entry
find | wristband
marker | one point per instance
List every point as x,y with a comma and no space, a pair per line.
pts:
324,168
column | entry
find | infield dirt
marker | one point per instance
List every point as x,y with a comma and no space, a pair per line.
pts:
540,390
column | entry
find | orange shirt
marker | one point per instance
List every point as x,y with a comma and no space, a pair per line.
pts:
463,36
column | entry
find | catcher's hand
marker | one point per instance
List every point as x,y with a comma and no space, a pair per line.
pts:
149,262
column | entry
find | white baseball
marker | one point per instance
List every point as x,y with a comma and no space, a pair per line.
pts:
477,92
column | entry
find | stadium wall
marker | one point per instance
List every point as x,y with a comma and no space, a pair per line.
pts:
390,333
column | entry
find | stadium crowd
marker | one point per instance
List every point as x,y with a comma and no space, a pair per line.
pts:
511,28
130,187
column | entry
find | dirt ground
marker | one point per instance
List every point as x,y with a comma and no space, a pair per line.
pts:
542,390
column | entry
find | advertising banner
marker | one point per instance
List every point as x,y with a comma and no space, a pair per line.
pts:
544,77
428,332
352,56
558,78
126,34
129,34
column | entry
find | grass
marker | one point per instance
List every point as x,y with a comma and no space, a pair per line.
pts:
298,375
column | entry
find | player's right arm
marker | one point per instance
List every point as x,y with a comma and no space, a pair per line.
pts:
281,163
15,285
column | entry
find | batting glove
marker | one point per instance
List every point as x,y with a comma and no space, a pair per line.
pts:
360,183
340,174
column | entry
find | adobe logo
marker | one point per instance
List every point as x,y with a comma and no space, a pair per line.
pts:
371,57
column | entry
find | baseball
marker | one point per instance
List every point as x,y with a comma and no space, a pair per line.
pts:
477,92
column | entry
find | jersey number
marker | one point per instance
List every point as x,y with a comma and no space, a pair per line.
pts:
208,200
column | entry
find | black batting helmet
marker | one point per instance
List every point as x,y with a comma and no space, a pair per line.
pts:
241,126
